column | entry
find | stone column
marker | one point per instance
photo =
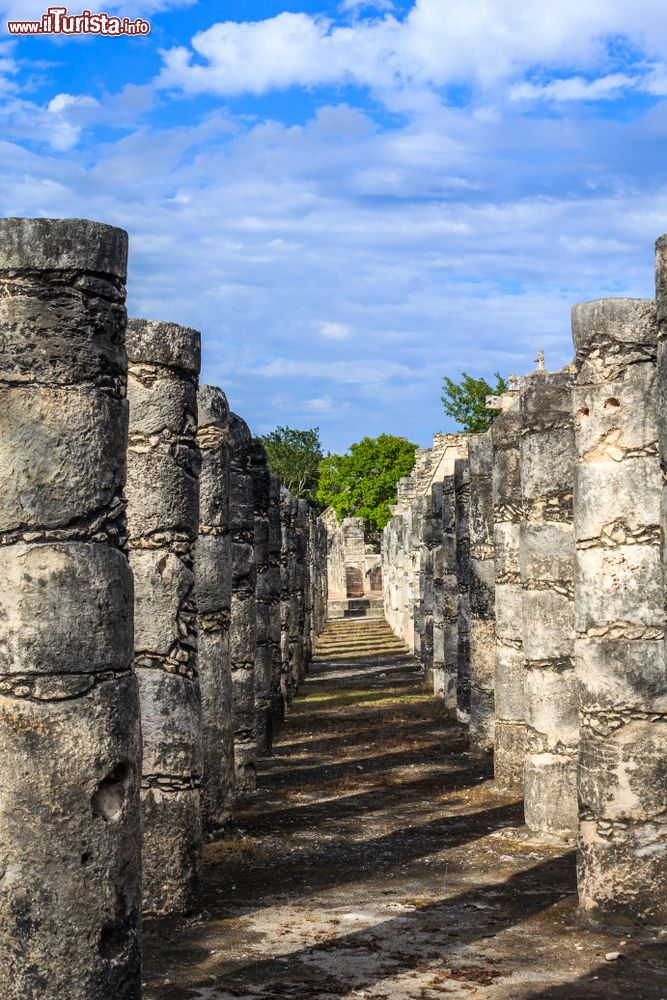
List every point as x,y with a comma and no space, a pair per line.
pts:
462,501
405,596
619,609
70,748
482,596
304,513
419,512
277,700
242,634
213,590
313,566
446,676
261,479
509,670
163,518
547,577
431,537
300,665
287,627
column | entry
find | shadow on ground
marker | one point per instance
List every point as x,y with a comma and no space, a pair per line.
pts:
376,860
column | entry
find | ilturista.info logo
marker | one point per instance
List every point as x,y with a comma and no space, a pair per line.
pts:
59,21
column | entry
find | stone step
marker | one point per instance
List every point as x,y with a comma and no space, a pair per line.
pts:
356,607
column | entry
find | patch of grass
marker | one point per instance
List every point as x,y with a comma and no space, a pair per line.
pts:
335,698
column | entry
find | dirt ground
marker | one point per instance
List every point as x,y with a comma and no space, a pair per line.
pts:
376,860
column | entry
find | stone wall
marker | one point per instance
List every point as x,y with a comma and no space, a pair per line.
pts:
407,573
116,699
543,546
354,569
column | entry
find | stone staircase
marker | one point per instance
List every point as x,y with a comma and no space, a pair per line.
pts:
354,640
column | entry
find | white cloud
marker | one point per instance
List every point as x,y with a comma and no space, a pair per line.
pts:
334,331
361,371
70,115
322,404
434,45
443,239
576,88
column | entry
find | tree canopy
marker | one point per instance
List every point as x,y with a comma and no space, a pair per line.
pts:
295,457
362,482
466,401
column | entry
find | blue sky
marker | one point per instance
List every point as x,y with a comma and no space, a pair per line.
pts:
351,200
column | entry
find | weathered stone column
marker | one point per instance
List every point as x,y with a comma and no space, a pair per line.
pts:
213,590
432,535
261,480
70,752
445,670
482,596
462,501
277,700
242,628
437,583
619,608
163,519
287,624
509,670
300,665
547,577
417,524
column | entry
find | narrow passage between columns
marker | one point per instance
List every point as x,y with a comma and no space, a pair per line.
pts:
376,859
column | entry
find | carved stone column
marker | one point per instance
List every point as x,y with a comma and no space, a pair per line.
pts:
619,608
163,520
213,588
261,479
462,501
547,576
287,622
482,595
70,751
446,671
509,731
277,700
242,635
432,535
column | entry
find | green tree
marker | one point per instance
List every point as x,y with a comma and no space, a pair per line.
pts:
295,457
466,401
362,482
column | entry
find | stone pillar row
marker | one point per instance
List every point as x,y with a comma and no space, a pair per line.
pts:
539,609
159,602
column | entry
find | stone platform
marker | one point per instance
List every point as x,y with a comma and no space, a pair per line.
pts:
370,606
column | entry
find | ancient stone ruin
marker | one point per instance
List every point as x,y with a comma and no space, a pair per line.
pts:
163,595
354,568
541,556
111,703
